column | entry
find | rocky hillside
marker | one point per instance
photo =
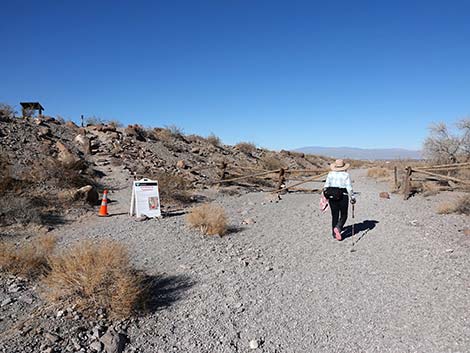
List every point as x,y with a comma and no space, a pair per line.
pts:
53,166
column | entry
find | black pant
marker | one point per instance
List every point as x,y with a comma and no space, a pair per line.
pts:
339,212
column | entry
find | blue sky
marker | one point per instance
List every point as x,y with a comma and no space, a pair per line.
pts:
283,74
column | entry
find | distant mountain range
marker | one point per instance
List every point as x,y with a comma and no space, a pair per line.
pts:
362,153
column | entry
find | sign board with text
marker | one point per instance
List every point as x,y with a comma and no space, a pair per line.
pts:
145,199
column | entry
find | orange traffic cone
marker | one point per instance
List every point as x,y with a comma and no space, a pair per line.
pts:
104,205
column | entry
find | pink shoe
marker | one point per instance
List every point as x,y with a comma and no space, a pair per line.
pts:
337,233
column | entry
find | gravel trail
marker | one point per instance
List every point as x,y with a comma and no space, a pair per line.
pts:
286,285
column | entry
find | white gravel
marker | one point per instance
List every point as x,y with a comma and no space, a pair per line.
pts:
286,284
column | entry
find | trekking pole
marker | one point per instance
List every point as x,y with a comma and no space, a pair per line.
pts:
352,248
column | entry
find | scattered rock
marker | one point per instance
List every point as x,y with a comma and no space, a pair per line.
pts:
106,128
142,218
254,344
181,164
273,198
96,346
44,132
249,221
449,251
27,299
113,342
51,337
15,288
384,195
6,302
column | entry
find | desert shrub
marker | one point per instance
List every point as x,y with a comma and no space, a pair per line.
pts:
193,138
356,163
6,111
162,134
445,208
246,147
29,259
271,163
15,209
461,206
114,123
176,131
173,188
60,119
62,174
94,120
95,276
378,173
209,219
214,140
430,189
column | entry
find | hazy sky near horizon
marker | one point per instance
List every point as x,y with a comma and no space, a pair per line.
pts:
282,74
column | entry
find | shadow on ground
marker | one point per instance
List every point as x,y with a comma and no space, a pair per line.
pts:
360,229
234,229
162,291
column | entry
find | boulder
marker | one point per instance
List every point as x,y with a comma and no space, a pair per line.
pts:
89,194
134,131
384,195
71,124
107,128
65,155
84,143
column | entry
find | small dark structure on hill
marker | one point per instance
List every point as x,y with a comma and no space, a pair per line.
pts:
28,108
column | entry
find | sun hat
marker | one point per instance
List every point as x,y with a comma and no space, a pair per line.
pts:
339,166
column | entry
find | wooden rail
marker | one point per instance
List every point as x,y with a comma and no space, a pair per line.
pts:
432,173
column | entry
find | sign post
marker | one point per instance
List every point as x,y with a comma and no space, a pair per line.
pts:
145,199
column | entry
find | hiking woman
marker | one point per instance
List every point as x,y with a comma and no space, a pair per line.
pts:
338,190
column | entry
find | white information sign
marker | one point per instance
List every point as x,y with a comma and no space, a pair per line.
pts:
145,198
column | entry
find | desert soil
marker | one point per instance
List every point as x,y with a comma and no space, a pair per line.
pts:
283,284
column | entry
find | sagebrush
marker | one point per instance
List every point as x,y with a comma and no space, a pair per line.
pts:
209,219
214,140
246,147
460,206
173,188
29,259
271,163
95,276
378,173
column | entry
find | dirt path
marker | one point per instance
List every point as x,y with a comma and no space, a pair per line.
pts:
285,282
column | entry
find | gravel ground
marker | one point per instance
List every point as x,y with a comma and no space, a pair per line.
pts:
284,284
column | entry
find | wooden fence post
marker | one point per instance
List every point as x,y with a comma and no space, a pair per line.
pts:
395,173
282,179
223,170
407,183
